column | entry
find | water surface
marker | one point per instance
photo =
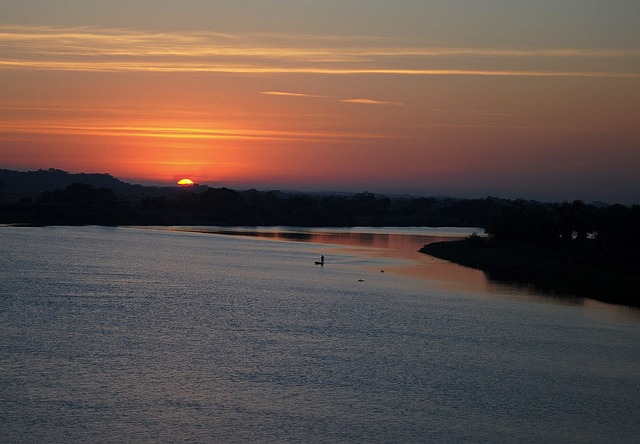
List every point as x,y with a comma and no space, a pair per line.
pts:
137,335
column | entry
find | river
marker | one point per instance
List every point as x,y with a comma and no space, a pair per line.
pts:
219,335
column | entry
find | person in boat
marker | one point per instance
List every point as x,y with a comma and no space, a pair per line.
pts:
322,260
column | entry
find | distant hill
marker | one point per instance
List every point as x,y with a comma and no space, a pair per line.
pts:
32,183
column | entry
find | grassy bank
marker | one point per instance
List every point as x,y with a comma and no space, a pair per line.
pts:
589,271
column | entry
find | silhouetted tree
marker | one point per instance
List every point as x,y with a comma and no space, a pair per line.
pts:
224,206
573,221
521,221
79,194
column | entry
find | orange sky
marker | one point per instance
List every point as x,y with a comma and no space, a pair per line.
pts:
391,101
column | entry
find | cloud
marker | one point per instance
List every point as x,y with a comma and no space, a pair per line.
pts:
358,101
369,102
117,50
142,130
288,94
197,67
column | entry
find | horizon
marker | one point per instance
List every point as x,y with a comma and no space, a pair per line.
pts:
267,188
515,99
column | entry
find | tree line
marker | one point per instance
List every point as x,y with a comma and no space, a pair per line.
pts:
566,249
570,223
565,224
79,203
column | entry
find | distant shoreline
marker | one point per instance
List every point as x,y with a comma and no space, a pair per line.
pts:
555,271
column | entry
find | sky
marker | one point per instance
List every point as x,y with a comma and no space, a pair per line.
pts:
466,98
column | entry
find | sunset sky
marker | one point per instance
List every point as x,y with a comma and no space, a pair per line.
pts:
510,98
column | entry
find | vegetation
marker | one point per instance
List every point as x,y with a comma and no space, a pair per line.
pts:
54,197
569,249
79,204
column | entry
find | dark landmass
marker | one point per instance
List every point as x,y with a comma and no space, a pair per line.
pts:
567,250
30,184
54,197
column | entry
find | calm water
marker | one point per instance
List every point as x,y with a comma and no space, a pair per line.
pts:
139,335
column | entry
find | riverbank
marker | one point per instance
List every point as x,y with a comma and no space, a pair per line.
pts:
589,271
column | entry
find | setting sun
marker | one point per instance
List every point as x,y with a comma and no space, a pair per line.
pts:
185,182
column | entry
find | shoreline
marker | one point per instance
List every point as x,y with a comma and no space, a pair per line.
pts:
559,272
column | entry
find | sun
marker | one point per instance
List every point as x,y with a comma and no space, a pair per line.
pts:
185,182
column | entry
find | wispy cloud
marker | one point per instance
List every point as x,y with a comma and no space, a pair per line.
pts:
172,67
357,101
115,50
369,102
288,94
46,128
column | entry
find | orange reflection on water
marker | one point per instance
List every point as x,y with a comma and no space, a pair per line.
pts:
403,245
445,274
